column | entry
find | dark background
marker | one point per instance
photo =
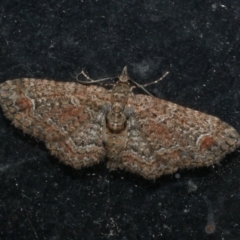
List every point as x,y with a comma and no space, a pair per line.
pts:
197,41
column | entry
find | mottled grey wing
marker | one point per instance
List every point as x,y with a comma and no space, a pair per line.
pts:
66,116
164,137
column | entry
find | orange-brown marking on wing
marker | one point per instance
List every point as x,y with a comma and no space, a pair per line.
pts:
207,142
172,158
53,95
182,121
71,112
24,103
153,127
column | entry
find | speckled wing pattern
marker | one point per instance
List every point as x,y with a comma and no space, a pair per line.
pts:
66,116
172,137
81,125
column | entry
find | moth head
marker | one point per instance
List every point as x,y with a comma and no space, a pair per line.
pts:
124,78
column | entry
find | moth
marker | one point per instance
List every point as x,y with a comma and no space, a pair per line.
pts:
83,125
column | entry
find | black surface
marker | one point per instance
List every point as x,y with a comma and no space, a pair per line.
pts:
197,41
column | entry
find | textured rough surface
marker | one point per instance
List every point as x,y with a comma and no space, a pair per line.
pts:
81,125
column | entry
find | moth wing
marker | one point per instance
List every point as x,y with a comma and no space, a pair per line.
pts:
66,116
164,137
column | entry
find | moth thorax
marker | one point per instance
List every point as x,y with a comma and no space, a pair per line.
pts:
116,119
120,94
